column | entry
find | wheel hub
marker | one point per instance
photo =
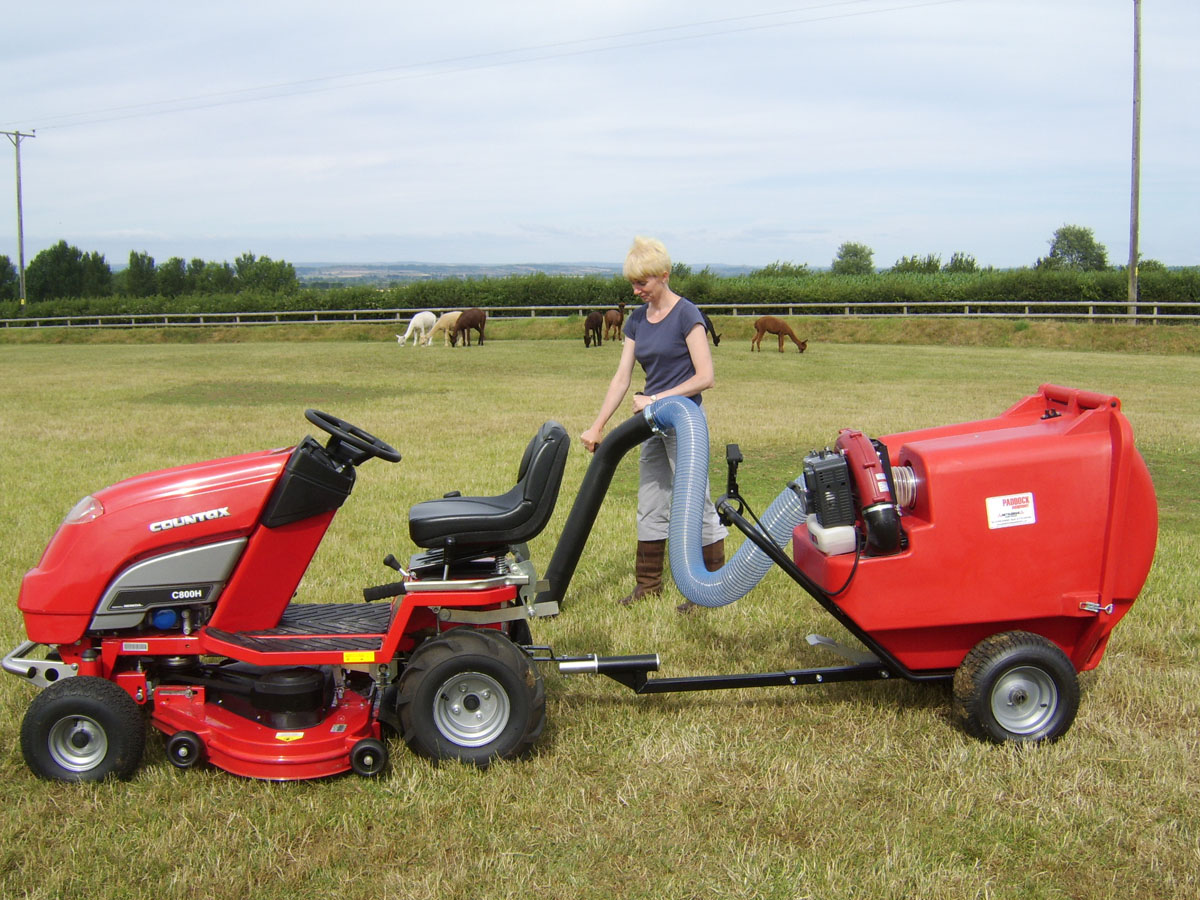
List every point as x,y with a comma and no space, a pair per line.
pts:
77,743
1024,700
471,709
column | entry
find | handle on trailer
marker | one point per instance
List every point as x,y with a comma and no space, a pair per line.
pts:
1079,399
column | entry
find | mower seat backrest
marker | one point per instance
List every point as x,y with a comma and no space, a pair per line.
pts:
475,523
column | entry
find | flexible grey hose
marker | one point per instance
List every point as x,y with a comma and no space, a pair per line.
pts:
750,564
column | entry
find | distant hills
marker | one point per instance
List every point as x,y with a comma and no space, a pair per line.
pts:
390,273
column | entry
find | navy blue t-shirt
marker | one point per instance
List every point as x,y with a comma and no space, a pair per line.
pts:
661,347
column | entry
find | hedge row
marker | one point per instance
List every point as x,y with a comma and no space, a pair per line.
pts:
1108,290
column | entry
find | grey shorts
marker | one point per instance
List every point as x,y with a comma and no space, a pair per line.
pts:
656,474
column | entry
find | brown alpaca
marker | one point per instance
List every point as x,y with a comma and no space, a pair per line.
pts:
613,320
593,326
472,318
772,325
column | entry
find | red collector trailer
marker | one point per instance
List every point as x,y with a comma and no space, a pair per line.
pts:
1042,519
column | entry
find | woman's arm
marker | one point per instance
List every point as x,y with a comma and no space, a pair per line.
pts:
613,397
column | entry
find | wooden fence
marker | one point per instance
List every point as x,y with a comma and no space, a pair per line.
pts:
998,309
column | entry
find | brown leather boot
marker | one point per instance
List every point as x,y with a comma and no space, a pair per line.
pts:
648,571
714,558
714,555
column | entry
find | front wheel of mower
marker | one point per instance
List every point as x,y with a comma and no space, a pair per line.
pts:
185,749
471,695
1016,686
83,729
368,758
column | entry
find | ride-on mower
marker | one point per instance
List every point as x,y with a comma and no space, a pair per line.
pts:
997,553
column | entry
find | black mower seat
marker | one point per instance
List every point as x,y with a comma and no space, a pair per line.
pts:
464,523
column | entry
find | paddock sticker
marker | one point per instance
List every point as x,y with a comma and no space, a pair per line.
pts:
1011,510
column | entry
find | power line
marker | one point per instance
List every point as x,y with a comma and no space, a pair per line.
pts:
475,62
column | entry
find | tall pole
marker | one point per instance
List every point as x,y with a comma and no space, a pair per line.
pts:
1135,187
15,138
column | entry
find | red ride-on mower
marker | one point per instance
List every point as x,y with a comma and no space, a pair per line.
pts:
172,592
998,554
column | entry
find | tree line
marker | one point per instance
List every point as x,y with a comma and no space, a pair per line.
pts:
65,271
1072,248
65,281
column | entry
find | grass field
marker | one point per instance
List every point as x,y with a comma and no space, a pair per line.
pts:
849,791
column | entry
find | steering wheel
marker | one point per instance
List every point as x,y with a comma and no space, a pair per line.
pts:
342,432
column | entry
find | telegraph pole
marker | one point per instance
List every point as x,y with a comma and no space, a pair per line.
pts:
1135,187
15,137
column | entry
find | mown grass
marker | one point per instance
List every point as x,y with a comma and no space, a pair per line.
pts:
861,790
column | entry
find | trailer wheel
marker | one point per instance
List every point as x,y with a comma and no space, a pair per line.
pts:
1016,686
472,696
83,729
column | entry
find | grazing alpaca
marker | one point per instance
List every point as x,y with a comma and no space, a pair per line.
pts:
592,327
444,323
472,318
772,325
422,323
613,320
708,326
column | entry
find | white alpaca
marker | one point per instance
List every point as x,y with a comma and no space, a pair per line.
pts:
444,323
422,323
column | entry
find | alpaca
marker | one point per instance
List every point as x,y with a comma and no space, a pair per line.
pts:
613,320
444,323
472,318
422,323
592,327
708,326
772,325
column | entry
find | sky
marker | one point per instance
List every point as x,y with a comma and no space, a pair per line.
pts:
530,131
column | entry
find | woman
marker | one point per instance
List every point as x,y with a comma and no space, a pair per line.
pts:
666,337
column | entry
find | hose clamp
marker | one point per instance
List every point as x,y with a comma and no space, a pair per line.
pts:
651,421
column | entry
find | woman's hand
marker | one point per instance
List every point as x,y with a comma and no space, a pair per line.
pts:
641,401
591,439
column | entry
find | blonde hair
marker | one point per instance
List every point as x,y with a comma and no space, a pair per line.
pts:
647,257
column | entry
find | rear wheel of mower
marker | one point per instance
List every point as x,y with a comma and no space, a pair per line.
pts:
1016,686
472,696
83,729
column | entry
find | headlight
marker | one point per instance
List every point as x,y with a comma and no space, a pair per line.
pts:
84,511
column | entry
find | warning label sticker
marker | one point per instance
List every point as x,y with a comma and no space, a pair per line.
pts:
1010,510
